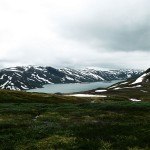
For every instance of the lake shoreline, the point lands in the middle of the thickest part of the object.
(70, 88)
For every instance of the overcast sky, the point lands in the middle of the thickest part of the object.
(75, 33)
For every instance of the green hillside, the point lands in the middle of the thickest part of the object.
(49, 122)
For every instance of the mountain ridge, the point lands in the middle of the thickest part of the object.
(137, 89)
(141, 81)
(30, 77)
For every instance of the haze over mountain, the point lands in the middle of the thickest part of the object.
(75, 33)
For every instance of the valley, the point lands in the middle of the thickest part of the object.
(31, 77)
(89, 120)
(75, 75)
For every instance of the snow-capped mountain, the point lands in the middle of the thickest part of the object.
(133, 89)
(29, 77)
(140, 82)
(144, 79)
(97, 75)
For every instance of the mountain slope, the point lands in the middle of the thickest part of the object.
(29, 77)
(97, 75)
(137, 89)
(37, 121)
(142, 81)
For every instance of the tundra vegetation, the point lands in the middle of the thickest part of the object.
(43, 121)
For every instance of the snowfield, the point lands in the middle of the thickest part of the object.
(100, 91)
(86, 95)
(118, 88)
(140, 79)
(134, 100)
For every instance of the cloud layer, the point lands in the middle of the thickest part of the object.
(87, 33)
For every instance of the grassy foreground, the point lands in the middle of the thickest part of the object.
(49, 122)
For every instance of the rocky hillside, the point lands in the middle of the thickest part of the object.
(142, 81)
(137, 89)
(29, 77)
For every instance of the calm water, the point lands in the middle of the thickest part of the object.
(72, 87)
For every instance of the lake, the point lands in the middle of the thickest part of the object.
(73, 87)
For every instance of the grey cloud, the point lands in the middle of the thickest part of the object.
(81, 33)
(122, 30)
(121, 38)
(3, 62)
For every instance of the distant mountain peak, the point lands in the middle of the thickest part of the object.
(29, 77)
(142, 81)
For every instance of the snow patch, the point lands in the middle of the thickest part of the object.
(18, 74)
(68, 78)
(144, 91)
(99, 91)
(2, 77)
(86, 95)
(118, 88)
(138, 86)
(113, 86)
(123, 83)
(135, 100)
(3, 85)
(43, 79)
(140, 79)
